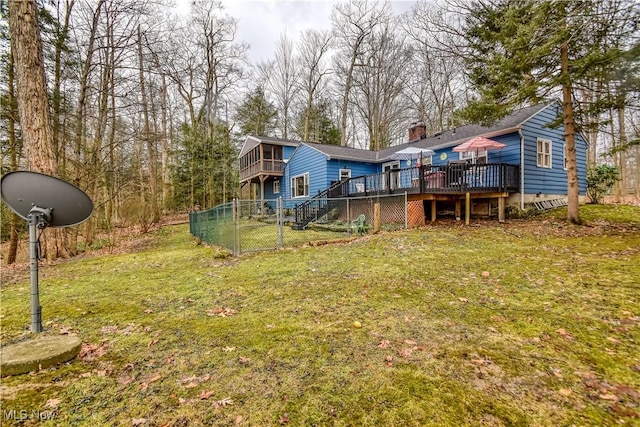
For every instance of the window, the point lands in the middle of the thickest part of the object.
(475, 157)
(427, 161)
(544, 153)
(345, 174)
(276, 187)
(300, 186)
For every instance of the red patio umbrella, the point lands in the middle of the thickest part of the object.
(478, 143)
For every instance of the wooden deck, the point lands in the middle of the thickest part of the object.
(452, 179)
(457, 182)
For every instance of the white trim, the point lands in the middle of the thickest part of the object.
(348, 173)
(305, 185)
(545, 154)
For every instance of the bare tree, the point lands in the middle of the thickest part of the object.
(437, 85)
(282, 81)
(380, 87)
(313, 47)
(353, 24)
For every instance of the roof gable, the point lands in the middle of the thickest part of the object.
(252, 141)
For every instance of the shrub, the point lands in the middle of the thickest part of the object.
(600, 179)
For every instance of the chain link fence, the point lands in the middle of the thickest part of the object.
(244, 226)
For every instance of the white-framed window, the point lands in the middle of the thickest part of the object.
(276, 187)
(544, 153)
(345, 174)
(300, 185)
(478, 157)
(564, 156)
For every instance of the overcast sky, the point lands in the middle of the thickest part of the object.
(262, 21)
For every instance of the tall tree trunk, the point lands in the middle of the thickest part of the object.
(151, 152)
(621, 185)
(573, 190)
(58, 141)
(14, 151)
(33, 108)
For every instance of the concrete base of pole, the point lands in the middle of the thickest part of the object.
(37, 353)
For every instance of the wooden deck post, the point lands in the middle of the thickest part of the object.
(457, 209)
(501, 209)
(377, 217)
(433, 210)
(467, 208)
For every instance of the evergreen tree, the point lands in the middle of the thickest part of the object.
(256, 115)
(521, 52)
(322, 128)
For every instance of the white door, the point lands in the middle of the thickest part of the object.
(390, 178)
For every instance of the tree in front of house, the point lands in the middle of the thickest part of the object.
(523, 52)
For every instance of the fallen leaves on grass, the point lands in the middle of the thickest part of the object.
(205, 394)
(223, 403)
(52, 403)
(384, 344)
(90, 351)
(221, 312)
(151, 379)
(138, 421)
(284, 419)
(193, 380)
(228, 349)
(564, 334)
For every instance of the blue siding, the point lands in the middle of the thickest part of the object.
(509, 154)
(287, 152)
(306, 160)
(550, 180)
(357, 169)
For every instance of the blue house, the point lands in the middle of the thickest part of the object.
(530, 168)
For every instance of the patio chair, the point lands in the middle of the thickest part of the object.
(359, 225)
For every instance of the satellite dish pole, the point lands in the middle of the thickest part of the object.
(37, 219)
(44, 201)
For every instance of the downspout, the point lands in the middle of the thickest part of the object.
(521, 169)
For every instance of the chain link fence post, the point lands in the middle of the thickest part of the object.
(236, 229)
(280, 221)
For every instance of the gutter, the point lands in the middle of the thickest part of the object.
(521, 168)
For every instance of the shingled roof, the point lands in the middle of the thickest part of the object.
(445, 139)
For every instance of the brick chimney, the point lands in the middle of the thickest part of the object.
(417, 131)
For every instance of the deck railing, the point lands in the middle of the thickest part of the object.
(264, 166)
(452, 178)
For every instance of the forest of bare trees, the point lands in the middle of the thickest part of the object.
(146, 110)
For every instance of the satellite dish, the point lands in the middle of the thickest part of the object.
(44, 201)
(67, 204)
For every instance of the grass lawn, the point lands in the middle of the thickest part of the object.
(530, 322)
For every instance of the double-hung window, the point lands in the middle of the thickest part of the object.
(276, 187)
(544, 153)
(300, 185)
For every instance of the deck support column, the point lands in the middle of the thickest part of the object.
(501, 203)
(262, 180)
(467, 208)
(433, 210)
(457, 209)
